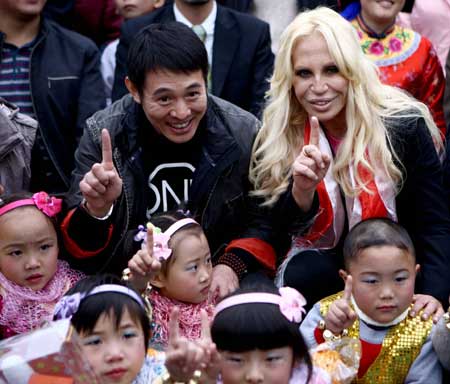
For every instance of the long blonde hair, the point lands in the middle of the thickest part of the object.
(369, 103)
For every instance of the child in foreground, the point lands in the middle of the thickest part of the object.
(379, 287)
(175, 259)
(32, 279)
(255, 338)
(113, 323)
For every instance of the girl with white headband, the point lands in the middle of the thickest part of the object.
(175, 259)
(112, 320)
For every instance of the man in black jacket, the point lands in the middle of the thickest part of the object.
(238, 45)
(53, 75)
(167, 143)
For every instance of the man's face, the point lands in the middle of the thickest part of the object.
(22, 8)
(174, 102)
(195, 2)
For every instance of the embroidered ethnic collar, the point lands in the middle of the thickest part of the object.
(397, 45)
(365, 27)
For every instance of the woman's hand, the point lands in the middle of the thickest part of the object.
(430, 306)
(309, 169)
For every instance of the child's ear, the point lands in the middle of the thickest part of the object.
(343, 274)
(159, 3)
(158, 281)
(417, 268)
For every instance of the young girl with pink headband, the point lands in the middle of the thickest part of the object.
(256, 331)
(176, 261)
(32, 279)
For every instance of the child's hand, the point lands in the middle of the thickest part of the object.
(211, 363)
(183, 357)
(340, 315)
(143, 266)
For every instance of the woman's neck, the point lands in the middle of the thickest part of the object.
(377, 25)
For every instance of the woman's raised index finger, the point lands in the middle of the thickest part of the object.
(315, 126)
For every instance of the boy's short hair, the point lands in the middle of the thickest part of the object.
(168, 46)
(376, 232)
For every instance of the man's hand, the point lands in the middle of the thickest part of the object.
(309, 168)
(340, 315)
(224, 279)
(101, 186)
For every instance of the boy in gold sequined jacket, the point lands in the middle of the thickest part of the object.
(379, 279)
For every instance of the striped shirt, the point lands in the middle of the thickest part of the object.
(15, 76)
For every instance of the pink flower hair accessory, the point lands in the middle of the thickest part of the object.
(292, 304)
(290, 301)
(161, 249)
(48, 205)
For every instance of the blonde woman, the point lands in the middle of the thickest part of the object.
(337, 146)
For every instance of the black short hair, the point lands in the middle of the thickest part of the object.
(92, 307)
(261, 326)
(376, 232)
(168, 46)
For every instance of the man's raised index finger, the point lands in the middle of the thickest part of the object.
(107, 159)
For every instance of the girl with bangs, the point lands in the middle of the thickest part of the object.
(259, 339)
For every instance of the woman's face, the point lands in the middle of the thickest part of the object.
(379, 14)
(318, 85)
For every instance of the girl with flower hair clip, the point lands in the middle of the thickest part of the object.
(32, 279)
(256, 332)
(175, 261)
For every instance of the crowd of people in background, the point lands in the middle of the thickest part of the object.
(268, 177)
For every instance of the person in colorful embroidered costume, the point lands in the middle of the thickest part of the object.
(405, 58)
(338, 146)
(175, 259)
(256, 331)
(32, 279)
(112, 320)
(380, 272)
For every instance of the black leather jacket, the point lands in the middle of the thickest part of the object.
(218, 192)
(66, 88)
